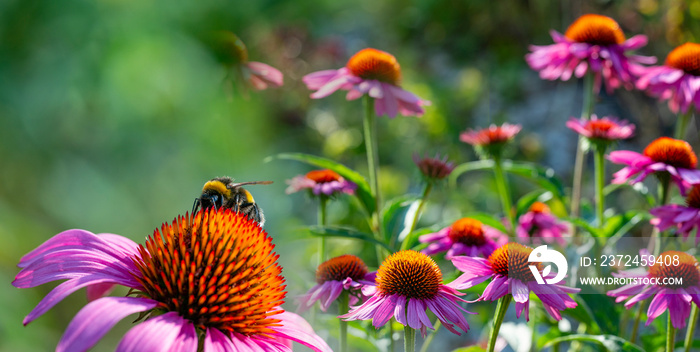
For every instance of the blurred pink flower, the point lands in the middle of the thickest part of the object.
(234, 53)
(509, 268)
(228, 302)
(321, 182)
(607, 128)
(490, 135)
(343, 273)
(675, 297)
(540, 225)
(434, 169)
(684, 217)
(593, 43)
(677, 80)
(407, 284)
(465, 236)
(372, 72)
(674, 156)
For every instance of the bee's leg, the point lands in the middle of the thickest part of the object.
(256, 214)
(236, 203)
(195, 206)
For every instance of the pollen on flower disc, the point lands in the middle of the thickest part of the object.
(687, 270)
(467, 231)
(693, 198)
(599, 128)
(375, 64)
(341, 268)
(410, 274)
(511, 260)
(323, 176)
(595, 30)
(674, 152)
(685, 57)
(217, 269)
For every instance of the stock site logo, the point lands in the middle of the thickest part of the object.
(543, 255)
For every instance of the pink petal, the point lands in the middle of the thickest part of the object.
(97, 318)
(153, 335)
(267, 73)
(216, 341)
(297, 329)
(520, 291)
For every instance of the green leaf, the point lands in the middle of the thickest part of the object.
(542, 176)
(638, 188)
(488, 219)
(611, 343)
(413, 238)
(605, 312)
(618, 225)
(398, 216)
(585, 226)
(363, 192)
(470, 349)
(524, 203)
(346, 232)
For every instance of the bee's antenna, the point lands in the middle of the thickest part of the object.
(251, 183)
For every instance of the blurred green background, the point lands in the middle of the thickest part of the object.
(114, 113)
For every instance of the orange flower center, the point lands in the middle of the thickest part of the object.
(674, 152)
(539, 207)
(693, 198)
(341, 268)
(595, 30)
(467, 231)
(599, 128)
(511, 260)
(685, 57)
(217, 270)
(686, 269)
(323, 176)
(410, 274)
(375, 64)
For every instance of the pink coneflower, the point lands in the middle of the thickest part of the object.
(490, 135)
(211, 280)
(674, 156)
(407, 284)
(607, 128)
(256, 74)
(593, 43)
(369, 71)
(539, 224)
(343, 273)
(465, 236)
(677, 80)
(321, 182)
(684, 217)
(509, 267)
(660, 283)
(489, 142)
(433, 169)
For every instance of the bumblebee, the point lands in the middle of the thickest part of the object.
(222, 192)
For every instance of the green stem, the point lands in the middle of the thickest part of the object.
(682, 123)
(392, 347)
(691, 328)
(637, 319)
(670, 335)
(343, 307)
(599, 165)
(430, 338)
(421, 204)
(504, 191)
(370, 129)
(409, 339)
(323, 201)
(501, 310)
(586, 111)
(664, 194)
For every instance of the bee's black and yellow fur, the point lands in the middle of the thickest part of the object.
(222, 192)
